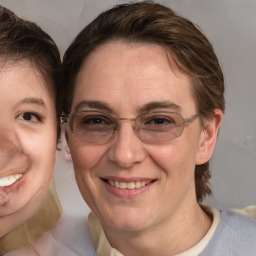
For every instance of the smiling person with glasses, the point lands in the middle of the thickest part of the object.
(143, 98)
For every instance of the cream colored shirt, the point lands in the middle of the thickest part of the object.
(249, 210)
(28, 233)
(103, 247)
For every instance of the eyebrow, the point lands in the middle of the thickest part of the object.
(36, 101)
(93, 104)
(146, 108)
(160, 104)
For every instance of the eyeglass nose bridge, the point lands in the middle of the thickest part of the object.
(126, 119)
(136, 128)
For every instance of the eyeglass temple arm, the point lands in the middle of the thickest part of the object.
(63, 119)
(192, 118)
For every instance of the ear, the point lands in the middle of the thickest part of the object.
(208, 137)
(66, 136)
(67, 155)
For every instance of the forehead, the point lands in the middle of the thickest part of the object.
(135, 72)
(23, 79)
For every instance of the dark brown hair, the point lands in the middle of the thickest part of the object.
(148, 22)
(24, 40)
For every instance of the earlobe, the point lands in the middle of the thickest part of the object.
(66, 136)
(208, 137)
(67, 155)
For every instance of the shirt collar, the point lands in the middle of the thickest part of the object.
(103, 247)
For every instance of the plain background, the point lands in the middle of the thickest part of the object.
(230, 25)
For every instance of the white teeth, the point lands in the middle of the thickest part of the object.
(122, 185)
(131, 185)
(128, 185)
(116, 184)
(9, 180)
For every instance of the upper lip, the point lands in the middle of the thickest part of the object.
(15, 166)
(12, 171)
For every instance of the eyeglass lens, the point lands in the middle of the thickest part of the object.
(97, 127)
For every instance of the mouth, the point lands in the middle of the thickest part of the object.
(128, 185)
(9, 180)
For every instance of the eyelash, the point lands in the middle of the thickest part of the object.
(19, 116)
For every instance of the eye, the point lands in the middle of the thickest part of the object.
(89, 122)
(96, 120)
(158, 122)
(29, 117)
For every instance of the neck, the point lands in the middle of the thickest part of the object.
(12, 221)
(18, 229)
(177, 234)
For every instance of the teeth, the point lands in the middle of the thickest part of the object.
(9, 180)
(128, 185)
(116, 184)
(122, 185)
(131, 185)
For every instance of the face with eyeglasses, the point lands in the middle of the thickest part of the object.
(135, 136)
(27, 140)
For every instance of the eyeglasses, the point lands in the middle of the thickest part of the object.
(97, 127)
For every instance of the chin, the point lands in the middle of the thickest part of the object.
(23, 200)
(10, 208)
(128, 221)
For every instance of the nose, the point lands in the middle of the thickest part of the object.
(126, 148)
(10, 148)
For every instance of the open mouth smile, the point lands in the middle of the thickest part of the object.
(128, 188)
(128, 185)
(9, 180)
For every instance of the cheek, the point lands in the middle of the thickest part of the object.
(41, 149)
(85, 157)
(176, 158)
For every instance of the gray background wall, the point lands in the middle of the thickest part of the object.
(231, 27)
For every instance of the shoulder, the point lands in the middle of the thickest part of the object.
(238, 224)
(249, 210)
(235, 235)
(69, 237)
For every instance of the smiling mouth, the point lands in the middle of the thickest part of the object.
(128, 185)
(9, 180)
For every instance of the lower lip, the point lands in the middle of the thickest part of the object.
(15, 185)
(127, 193)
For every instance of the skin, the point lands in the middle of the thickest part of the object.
(126, 77)
(27, 143)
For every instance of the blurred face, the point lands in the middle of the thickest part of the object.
(131, 185)
(27, 137)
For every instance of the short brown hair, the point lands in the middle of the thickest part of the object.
(24, 40)
(148, 22)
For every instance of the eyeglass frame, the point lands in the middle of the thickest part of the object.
(64, 119)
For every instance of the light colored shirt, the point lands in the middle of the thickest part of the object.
(103, 247)
(249, 210)
(44, 219)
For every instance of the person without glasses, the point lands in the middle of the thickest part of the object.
(143, 97)
(29, 81)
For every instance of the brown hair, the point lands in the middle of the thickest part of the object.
(24, 40)
(154, 23)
